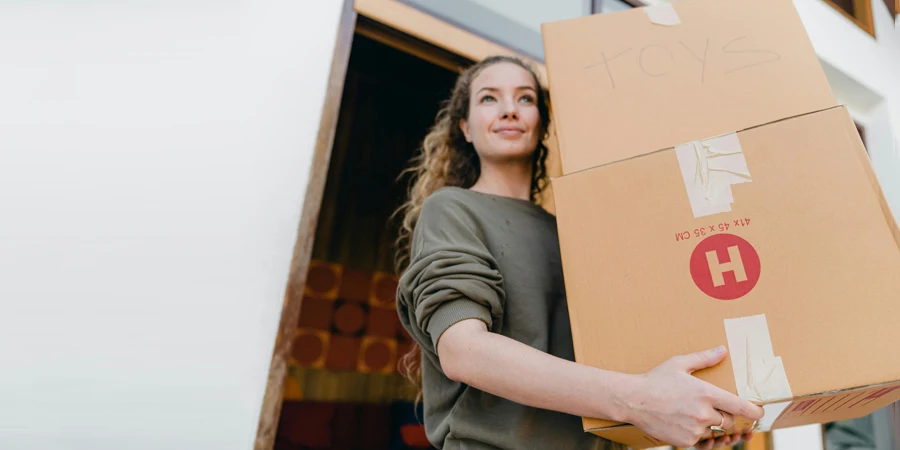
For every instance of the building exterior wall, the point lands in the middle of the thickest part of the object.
(864, 73)
(154, 158)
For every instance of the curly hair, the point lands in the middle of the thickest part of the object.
(447, 159)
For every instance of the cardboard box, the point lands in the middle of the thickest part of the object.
(730, 205)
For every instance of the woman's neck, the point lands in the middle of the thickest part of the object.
(511, 180)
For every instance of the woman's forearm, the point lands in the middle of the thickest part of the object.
(668, 402)
(504, 367)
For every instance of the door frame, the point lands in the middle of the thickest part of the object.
(270, 412)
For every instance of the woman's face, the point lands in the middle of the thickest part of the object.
(504, 123)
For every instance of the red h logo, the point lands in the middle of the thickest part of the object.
(725, 266)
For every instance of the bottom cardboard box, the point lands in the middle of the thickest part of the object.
(795, 266)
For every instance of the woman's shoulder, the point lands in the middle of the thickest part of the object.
(449, 200)
(447, 203)
(458, 201)
(449, 195)
(447, 218)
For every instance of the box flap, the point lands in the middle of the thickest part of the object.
(623, 86)
(843, 405)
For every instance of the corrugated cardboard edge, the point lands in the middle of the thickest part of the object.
(672, 148)
(870, 405)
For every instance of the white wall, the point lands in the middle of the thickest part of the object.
(807, 437)
(153, 163)
(863, 72)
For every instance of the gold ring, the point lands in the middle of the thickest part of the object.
(719, 428)
(755, 425)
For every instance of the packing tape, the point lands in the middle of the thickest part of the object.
(663, 14)
(758, 373)
(772, 412)
(709, 167)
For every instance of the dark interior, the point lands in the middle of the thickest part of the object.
(390, 100)
(343, 391)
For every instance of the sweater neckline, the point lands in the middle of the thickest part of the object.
(512, 200)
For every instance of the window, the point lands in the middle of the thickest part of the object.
(893, 7)
(862, 134)
(608, 6)
(857, 11)
(513, 23)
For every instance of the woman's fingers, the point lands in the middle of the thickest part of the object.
(726, 401)
(727, 420)
(724, 441)
(720, 442)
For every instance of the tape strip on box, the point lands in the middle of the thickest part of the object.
(663, 14)
(758, 373)
(772, 413)
(709, 167)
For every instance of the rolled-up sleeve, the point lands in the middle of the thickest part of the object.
(451, 276)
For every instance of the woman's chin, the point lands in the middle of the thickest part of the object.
(513, 152)
(511, 158)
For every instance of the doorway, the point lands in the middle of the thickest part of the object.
(343, 389)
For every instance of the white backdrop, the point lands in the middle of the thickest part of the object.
(153, 162)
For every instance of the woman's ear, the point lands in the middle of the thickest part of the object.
(464, 127)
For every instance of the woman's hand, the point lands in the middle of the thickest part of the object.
(724, 441)
(676, 407)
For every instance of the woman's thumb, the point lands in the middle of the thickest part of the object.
(704, 359)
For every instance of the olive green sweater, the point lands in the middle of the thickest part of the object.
(495, 259)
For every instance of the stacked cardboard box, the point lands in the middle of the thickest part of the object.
(715, 193)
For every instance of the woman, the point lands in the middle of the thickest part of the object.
(482, 293)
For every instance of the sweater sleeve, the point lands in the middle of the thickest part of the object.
(451, 275)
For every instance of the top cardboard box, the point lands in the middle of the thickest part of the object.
(623, 86)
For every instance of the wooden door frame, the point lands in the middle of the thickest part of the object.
(427, 28)
(270, 413)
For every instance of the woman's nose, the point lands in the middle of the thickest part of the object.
(510, 110)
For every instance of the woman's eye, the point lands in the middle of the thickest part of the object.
(487, 98)
(527, 99)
